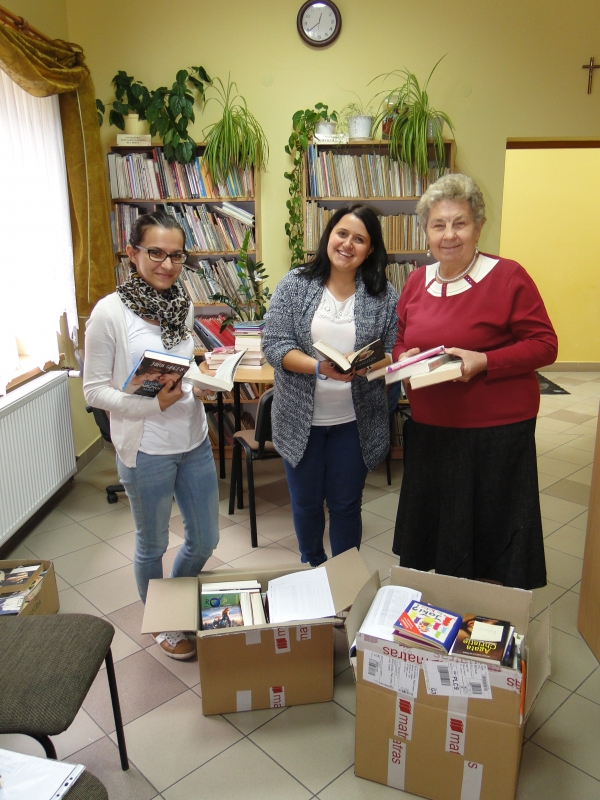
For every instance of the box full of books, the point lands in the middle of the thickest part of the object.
(446, 671)
(27, 587)
(264, 637)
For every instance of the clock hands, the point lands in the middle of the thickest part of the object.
(317, 24)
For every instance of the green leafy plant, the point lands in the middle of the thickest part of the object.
(237, 139)
(304, 123)
(169, 111)
(253, 296)
(414, 120)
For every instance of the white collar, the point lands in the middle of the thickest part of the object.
(483, 266)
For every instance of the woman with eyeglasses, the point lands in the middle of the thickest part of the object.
(162, 443)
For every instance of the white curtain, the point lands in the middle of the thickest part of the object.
(36, 255)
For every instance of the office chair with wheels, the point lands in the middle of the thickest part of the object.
(257, 446)
(47, 666)
(103, 423)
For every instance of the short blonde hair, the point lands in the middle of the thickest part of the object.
(452, 187)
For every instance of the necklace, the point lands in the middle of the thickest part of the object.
(458, 277)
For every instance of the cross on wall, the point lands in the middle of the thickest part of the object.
(591, 67)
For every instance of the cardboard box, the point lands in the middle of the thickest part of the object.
(46, 600)
(445, 748)
(257, 666)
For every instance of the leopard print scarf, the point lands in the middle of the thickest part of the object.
(170, 308)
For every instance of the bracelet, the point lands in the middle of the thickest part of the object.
(318, 374)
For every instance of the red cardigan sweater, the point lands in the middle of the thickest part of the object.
(503, 316)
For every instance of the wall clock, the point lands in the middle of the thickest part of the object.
(319, 23)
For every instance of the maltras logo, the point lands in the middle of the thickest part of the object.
(457, 725)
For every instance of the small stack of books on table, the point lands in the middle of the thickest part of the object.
(249, 337)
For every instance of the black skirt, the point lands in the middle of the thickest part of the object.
(469, 504)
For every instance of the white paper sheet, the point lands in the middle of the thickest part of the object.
(389, 603)
(301, 595)
(27, 777)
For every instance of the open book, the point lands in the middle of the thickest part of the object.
(367, 355)
(221, 381)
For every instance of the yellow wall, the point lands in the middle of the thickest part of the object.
(549, 224)
(513, 69)
(48, 16)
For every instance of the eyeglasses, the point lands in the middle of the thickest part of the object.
(158, 256)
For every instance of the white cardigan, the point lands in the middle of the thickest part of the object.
(107, 366)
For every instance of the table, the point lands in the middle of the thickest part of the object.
(242, 375)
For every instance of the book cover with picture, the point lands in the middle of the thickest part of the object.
(483, 638)
(369, 354)
(18, 578)
(222, 617)
(427, 626)
(153, 370)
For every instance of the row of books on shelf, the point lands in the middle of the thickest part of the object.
(221, 229)
(401, 232)
(399, 614)
(149, 176)
(210, 333)
(19, 586)
(398, 272)
(332, 174)
(248, 391)
(212, 418)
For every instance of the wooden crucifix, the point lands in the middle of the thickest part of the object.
(591, 67)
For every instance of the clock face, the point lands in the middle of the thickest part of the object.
(319, 23)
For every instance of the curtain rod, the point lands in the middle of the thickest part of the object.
(21, 25)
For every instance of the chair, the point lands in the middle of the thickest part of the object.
(257, 446)
(103, 423)
(87, 787)
(47, 665)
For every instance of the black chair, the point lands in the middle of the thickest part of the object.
(103, 423)
(257, 446)
(47, 666)
(87, 787)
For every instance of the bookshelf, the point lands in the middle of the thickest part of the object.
(336, 175)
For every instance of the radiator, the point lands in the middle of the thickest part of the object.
(37, 454)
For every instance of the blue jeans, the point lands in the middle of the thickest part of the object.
(332, 469)
(190, 477)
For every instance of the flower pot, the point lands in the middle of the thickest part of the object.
(325, 128)
(359, 127)
(434, 125)
(132, 122)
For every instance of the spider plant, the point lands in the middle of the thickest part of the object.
(414, 121)
(237, 139)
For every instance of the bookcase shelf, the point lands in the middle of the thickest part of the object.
(180, 200)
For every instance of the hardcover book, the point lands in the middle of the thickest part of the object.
(451, 371)
(483, 639)
(422, 625)
(367, 355)
(152, 372)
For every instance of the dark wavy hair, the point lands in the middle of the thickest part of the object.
(372, 268)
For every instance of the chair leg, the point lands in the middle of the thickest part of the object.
(114, 698)
(251, 503)
(46, 743)
(234, 476)
(240, 480)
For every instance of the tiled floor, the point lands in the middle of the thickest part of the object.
(306, 752)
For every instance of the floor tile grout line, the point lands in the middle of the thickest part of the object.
(279, 765)
(564, 760)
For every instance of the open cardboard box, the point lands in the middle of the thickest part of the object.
(46, 598)
(257, 666)
(444, 748)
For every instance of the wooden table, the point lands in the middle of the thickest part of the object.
(242, 375)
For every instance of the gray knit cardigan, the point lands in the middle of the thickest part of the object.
(294, 302)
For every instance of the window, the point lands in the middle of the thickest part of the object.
(37, 285)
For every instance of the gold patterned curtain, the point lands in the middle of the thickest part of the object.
(44, 68)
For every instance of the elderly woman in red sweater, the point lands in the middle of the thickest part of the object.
(469, 503)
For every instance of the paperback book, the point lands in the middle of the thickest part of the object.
(152, 372)
(484, 639)
(18, 578)
(427, 626)
(221, 381)
(367, 355)
(222, 617)
(451, 371)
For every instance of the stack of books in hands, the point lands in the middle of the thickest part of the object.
(249, 337)
(424, 369)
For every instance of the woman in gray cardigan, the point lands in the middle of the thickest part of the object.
(331, 428)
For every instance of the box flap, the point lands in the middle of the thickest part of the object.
(538, 661)
(361, 606)
(171, 605)
(347, 574)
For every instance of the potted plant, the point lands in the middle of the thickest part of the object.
(253, 297)
(168, 111)
(414, 122)
(304, 123)
(358, 119)
(237, 139)
(326, 126)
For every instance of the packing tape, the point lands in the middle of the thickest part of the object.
(253, 636)
(243, 700)
(396, 764)
(281, 638)
(403, 722)
(303, 633)
(471, 784)
(456, 725)
(277, 694)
